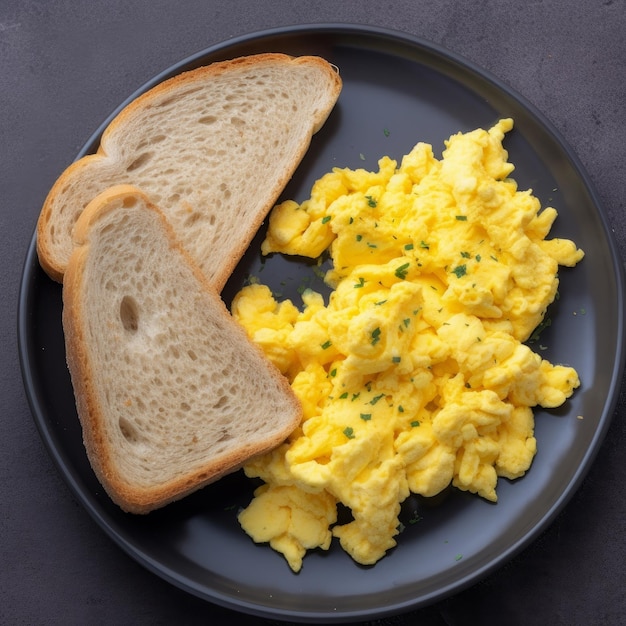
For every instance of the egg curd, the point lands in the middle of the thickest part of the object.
(415, 374)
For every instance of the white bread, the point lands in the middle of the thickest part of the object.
(170, 392)
(213, 148)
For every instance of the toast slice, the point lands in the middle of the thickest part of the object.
(212, 147)
(170, 392)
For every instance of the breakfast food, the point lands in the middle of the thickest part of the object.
(212, 147)
(171, 394)
(414, 375)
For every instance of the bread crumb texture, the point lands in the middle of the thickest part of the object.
(180, 394)
(212, 148)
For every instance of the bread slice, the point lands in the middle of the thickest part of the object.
(170, 392)
(212, 147)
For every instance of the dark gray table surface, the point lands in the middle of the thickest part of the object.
(66, 64)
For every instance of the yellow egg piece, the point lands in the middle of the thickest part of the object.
(414, 375)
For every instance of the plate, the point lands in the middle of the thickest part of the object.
(397, 90)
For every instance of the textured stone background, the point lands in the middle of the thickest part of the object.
(64, 65)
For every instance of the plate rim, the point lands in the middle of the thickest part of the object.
(165, 572)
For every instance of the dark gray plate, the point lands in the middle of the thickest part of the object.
(397, 90)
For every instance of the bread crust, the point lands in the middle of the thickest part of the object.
(53, 257)
(86, 372)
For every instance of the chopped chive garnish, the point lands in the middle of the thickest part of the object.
(375, 399)
(401, 271)
(460, 270)
(375, 336)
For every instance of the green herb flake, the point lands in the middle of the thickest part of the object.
(351, 220)
(414, 424)
(375, 399)
(326, 345)
(371, 201)
(386, 132)
(424, 245)
(406, 321)
(355, 396)
(344, 395)
(371, 245)
(400, 409)
(360, 283)
(409, 246)
(359, 237)
(366, 416)
(326, 219)
(348, 431)
(542, 326)
(319, 272)
(460, 270)
(380, 302)
(361, 156)
(396, 359)
(333, 372)
(458, 557)
(478, 258)
(466, 255)
(401, 271)
(461, 218)
(375, 336)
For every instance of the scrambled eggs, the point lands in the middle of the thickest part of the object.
(414, 375)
